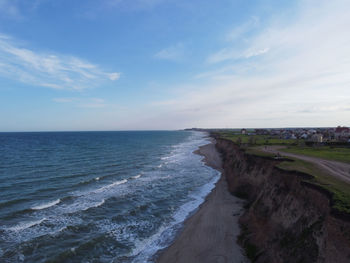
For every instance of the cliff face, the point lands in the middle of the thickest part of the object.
(286, 220)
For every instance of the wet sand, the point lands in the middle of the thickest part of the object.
(210, 234)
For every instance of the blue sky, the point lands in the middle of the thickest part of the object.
(166, 64)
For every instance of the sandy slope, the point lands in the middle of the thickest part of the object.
(210, 234)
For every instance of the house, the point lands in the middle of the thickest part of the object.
(304, 136)
(262, 132)
(311, 131)
(342, 133)
(243, 131)
(317, 137)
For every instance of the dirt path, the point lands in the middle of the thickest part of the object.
(337, 169)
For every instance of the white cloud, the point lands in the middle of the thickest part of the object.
(114, 76)
(93, 104)
(18, 9)
(64, 100)
(235, 54)
(297, 74)
(174, 53)
(82, 102)
(9, 8)
(239, 36)
(241, 30)
(55, 71)
(254, 53)
(135, 4)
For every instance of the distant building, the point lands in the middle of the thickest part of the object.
(304, 136)
(317, 137)
(311, 131)
(243, 131)
(262, 132)
(342, 133)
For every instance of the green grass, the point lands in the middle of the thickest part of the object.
(324, 152)
(256, 139)
(258, 152)
(300, 166)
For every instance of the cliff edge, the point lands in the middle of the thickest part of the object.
(286, 219)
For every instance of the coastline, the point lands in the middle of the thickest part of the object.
(210, 234)
(287, 218)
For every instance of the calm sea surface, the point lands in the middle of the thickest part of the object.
(97, 196)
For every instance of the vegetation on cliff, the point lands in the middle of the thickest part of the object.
(325, 152)
(339, 190)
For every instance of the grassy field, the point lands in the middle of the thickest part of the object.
(256, 139)
(324, 152)
(258, 152)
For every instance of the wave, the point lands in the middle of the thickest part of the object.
(72, 211)
(26, 225)
(145, 248)
(89, 181)
(94, 205)
(136, 176)
(95, 179)
(46, 205)
(106, 187)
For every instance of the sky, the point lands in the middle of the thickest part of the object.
(173, 64)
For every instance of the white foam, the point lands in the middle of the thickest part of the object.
(148, 247)
(136, 176)
(106, 187)
(46, 205)
(58, 222)
(180, 151)
(58, 231)
(94, 205)
(26, 225)
(143, 247)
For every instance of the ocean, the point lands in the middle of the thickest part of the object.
(97, 196)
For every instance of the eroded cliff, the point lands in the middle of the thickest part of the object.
(286, 219)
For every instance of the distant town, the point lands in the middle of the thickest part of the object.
(340, 134)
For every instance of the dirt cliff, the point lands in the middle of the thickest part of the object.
(286, 219)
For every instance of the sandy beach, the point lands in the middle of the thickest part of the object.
(210, 234)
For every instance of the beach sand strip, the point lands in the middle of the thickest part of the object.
(210, 234)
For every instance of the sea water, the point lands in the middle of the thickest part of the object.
(97, 196)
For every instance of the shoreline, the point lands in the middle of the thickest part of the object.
(210, 233)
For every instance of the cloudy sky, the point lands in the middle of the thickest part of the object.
(172, 64)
